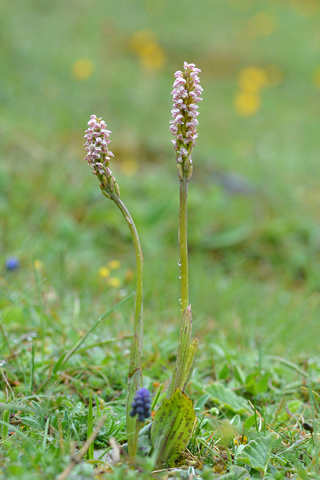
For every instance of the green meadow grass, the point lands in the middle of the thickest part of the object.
(253, 233)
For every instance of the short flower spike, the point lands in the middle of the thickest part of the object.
(186, 95)
(99, 156)
(141, 404)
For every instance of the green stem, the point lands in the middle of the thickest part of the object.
(139, 265)
(183, 242)
(135, 381)
(186, 351)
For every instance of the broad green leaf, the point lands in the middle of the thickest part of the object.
(237, 422)
(189, 364)
(172, 427)
(249, 422)
(202, 401)
(262, 384)
(59, 363)
(224, 372)
(144, 440)
(183, 350)
(5, 425)
(236, 473)
(257, 453)
(227, 398)
(239, 375)
(173, 381)
(294, 406)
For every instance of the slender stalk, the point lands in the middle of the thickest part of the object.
(135, 373)
(138, 323)
(185, 355)
(98, 157)
(183, 243)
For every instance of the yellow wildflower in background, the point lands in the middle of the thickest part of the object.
(129, 166)
(317, 77)
(305, 8)
(82, 69)
(252, 79)
(114, 264)
(104, 272)
(38, 265)
(153, 56)
(139, 39)
(247, 104)
(129, 275)
(241, 440)
(114, 282)
(145, 45)
(261, 25)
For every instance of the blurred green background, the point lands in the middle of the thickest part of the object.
(254, 229)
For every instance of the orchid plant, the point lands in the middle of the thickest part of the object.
(186, 96)
(98, 158)
(173, 422)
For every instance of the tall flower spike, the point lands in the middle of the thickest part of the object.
(99, 156)
(186, 95)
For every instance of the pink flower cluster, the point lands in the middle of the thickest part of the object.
(186, 94)
(97, 141)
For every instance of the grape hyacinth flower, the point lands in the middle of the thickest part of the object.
(99, 156)
(186, 95)
(12, 263)
(141, 405)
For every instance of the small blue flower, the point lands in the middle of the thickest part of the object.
(141, 404)
(12, 263)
